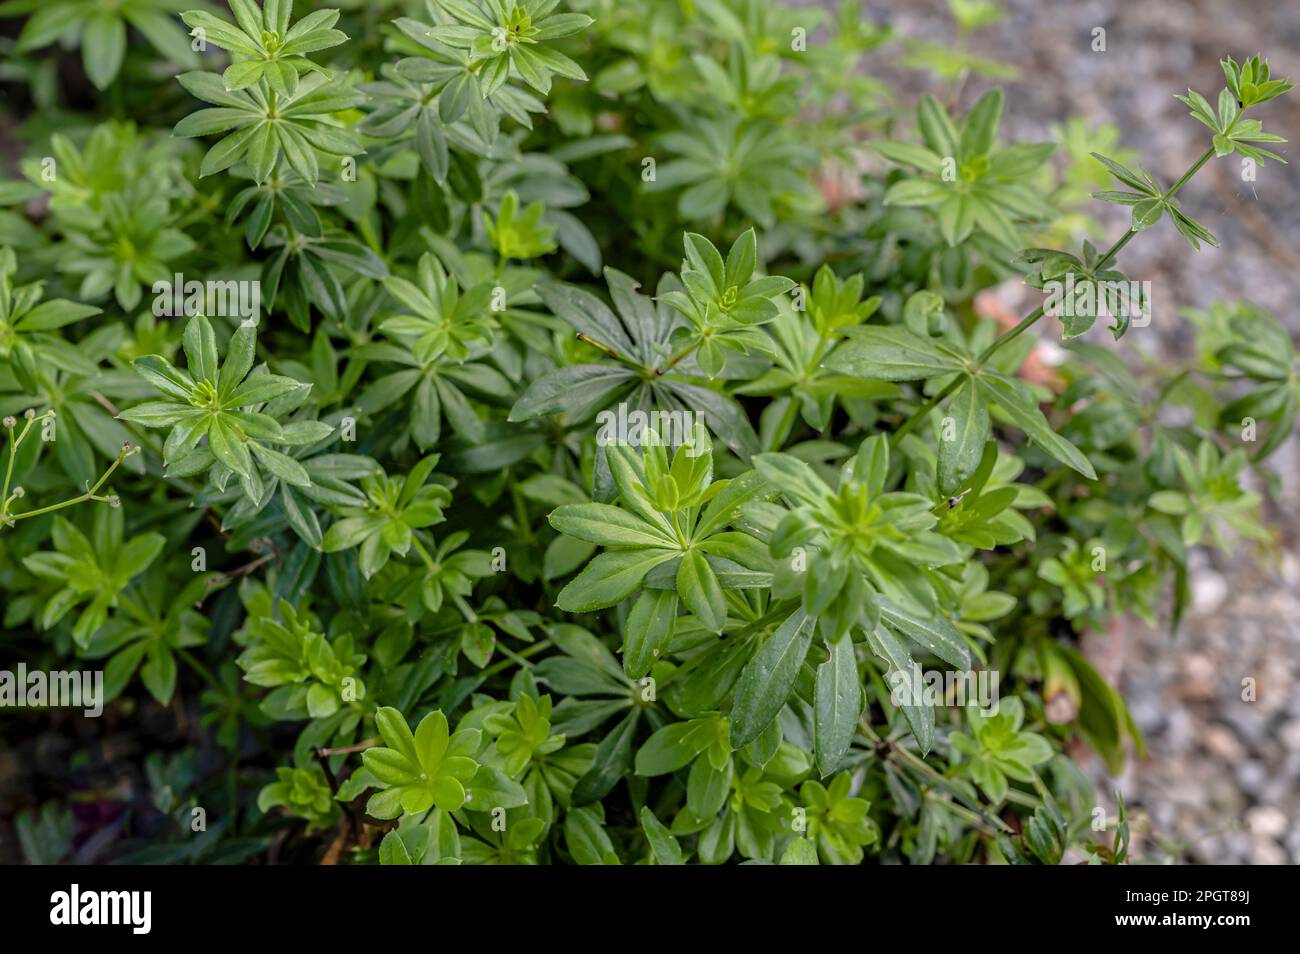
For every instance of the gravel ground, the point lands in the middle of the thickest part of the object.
(1222, 779)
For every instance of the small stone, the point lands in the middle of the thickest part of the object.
(1252, 776)
(1221, 742)
(1293, 843)
(1290, 736)
(1209, 590)
(1198, 675)
(1149, 714)
(1265, 851)
(1266, 820)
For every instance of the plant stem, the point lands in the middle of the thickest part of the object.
(9, 467)
(961, 811)
(511, 654)
(1165, 390)
(14, 441)
(680, 356)
(127, 451)
(1196, 167)
(193, 662)
(524, 653)
(1025, 324)
(1032, 318)
(922, 412)
(423, 553)
(604, 349)
(897, 754)
(345, 749)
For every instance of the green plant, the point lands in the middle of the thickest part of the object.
(464, 557)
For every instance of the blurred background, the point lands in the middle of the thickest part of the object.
(1221, 782)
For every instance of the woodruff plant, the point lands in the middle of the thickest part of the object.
(383, 543)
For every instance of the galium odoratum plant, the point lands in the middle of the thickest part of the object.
(604, 463)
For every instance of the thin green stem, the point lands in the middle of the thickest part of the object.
(524, 653)
(961, 811)
(206, 674)
(1111, 252)
(1166, 389)
(90, 494)
(1024, 325)
(521, 513)
(898, 754)
(509, 653)
(14, 442)
(424, 554)
(608, 351)
(922, 412)
(680, 356)
(1196, 167)
(1032, 318)
(9, 467)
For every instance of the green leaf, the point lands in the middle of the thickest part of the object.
(229, 448)
(103, 44)
(963, 432)
(608, 526)
(281, 465)
(608, 579)
(911, 192)
(491, 788)
(887, 353)
(707, 787)
(666, 750)
(800, 851)
(837, 704)
(612, 760)
(768, 678)
(919, 716)
(1014, 398)
(706, 259)
(55, 313)
(663, 846)
(201, 348)
(982, 124)
(239, 359)
(935, 635)
(937, 128)
(699, 589)
(649, 631)
(910, 154)
(159, 372)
